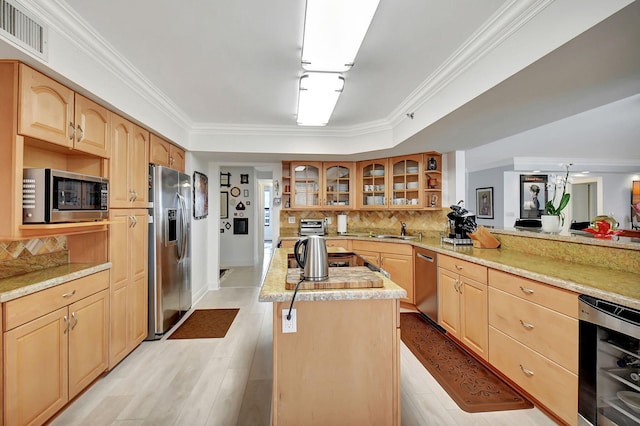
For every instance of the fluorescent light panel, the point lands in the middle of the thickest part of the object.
(333, 33)
(319, 93)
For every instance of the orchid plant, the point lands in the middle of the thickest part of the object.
(560, 182)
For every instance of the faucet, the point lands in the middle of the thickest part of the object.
(403, 230)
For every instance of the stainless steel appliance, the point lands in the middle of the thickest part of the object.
(312, 227)
(169, 253)
(426, 278)
(50, 196)
(313, 259)
(609, 363)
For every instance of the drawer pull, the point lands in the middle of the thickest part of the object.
(458, 267)
(67, 295)
(75, 318)
(66, 321)
(527, 325)
(526, 290)
(526, 371)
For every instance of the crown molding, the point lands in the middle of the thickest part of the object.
(512, 16)
(66, 22)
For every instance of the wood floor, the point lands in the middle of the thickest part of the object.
(228, 381)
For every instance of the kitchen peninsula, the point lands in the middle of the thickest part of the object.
(320, 376)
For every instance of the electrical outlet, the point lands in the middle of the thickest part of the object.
(292, 219)
(289, 326)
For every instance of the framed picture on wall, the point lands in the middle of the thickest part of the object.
(484, 203)
(533, 195)
(200, 195)
(225, 179)
(224, 205)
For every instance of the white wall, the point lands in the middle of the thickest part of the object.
(491, 178)
(237, 249)
(201, 277)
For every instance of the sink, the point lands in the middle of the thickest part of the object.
(397, 237)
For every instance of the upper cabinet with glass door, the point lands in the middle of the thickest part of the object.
(306, 184)
(372, 184)
(339, 182)
(406, 182)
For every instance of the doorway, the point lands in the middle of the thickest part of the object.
(586, 199)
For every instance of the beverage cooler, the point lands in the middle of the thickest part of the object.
(609, 363)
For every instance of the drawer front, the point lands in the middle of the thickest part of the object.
(549, 383)
(468, 269)
(381, 247)
(548, 332)
(344, 243)
(27, 308)
(558, 299)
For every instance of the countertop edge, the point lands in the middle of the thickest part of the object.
(31, 288)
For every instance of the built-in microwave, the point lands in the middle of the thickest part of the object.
(52, 196)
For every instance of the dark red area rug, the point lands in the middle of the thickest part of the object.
(469, 383)
(206, 324)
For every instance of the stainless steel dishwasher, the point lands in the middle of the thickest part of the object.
(426, 282)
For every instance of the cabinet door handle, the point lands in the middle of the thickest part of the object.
(75, 319)
(81, 135)
(526, 371)
(66, 321)
(72, 131)
(460, 286)
(70, 294)
(135, 195)
(527, 325)
(526, 290)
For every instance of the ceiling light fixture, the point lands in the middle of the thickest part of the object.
(333, 33)
(319, 92)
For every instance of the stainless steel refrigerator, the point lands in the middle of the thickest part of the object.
(169, 254)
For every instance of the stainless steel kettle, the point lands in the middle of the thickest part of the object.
(314, 259)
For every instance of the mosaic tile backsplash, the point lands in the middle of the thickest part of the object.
(23, 256)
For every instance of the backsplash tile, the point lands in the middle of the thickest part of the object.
(385, 222)
(23, 256)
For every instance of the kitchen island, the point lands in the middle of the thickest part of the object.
(342, 364)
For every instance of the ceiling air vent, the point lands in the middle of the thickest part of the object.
(19, 28)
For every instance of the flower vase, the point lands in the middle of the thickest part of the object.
(551, 223)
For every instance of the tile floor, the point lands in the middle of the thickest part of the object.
(228, 381)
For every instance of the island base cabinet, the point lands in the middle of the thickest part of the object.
(552, 385)
(341, 366)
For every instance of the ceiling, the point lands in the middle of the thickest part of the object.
(236, 65)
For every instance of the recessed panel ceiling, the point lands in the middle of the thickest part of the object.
(239, 62)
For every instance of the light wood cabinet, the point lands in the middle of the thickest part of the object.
(128, 255)
(372, 184)
(432, 180)
(46, 109)
(406, 191)
(128, 176)
(306, 184)
(164, 153)
(53, 113)
(537, 326)
(37, 129)
(462, 302)
(51, 355)
(320, 377)
(339, 183)
(396, 259)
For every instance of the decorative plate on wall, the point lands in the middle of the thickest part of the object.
(235, 191)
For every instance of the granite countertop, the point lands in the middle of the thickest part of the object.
(616, 286)
(273, 288)
(22, 285)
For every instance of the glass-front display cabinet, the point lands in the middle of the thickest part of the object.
(407, 182)
(372, 184)
(338, 187)
(306, 184)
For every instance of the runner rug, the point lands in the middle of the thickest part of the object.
(205, 324)
(469, 383)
